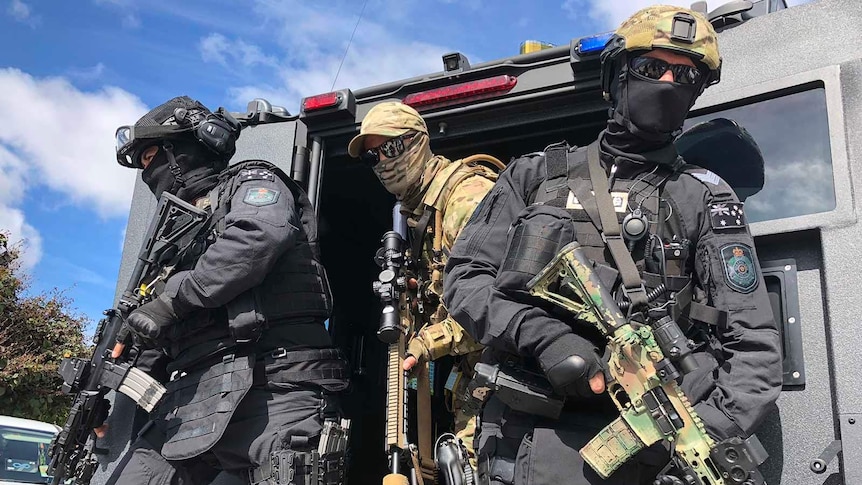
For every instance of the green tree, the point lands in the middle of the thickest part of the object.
(36, 333)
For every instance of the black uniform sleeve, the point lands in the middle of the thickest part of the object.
(154, 362)
(261, 225)
(748, 378)
(489, 315)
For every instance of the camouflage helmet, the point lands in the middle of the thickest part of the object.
(389, 119)
(664, 27)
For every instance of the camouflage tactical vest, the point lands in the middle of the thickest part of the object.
(428, 232)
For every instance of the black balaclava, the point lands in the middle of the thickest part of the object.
(194, 172)
(647, 115)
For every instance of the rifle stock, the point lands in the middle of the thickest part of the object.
(111, 367)
(641, 381)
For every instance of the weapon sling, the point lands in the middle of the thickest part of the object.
(423, 386)
(600, 209)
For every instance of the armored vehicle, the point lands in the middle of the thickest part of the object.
(792, 77)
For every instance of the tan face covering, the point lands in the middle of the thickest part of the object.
(408, 175)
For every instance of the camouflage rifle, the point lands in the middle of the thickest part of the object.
(643, 384)
(173, 230)
(397, 287)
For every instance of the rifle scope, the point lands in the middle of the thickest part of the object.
(389, 285)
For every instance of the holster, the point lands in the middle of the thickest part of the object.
(324, 466)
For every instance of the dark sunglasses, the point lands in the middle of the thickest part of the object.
(390, 148)
(652, 68)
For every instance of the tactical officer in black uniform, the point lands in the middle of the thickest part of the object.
(241, 318)
(686, 232)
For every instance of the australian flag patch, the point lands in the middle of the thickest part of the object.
(727, 215)
(739, 269)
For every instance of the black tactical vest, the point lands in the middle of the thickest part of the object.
(296, 290)
(643, 193)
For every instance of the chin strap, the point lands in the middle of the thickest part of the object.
(176, 171)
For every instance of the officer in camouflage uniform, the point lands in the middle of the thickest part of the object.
(439, 196)
(687, 236)
(241, 317)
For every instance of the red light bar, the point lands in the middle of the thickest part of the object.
(321, 101)
(473, 90)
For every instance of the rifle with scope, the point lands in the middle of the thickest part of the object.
(397, 287)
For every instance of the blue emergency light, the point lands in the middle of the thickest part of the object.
(593, 43)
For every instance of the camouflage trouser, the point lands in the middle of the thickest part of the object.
(448, 338)
(465, 429)
(465, 424)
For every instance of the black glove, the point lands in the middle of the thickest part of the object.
(570, 362)
(148, 321)
(667, 480)
(104, 410)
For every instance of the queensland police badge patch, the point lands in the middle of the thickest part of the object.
(739, 269)
(260, 196)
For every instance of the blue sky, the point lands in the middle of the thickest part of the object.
(72, 71)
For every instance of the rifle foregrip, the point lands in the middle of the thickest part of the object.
(611, 447)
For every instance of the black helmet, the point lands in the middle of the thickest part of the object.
(180, 118)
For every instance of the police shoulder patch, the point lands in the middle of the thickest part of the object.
(727, 215)
(739, 269)
(260, 196)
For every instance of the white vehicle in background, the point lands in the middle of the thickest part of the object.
(24, 447)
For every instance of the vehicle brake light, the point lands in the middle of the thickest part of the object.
(593, 43)
(326, 100)
(472, 90)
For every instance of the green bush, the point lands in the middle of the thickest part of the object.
(36, 333)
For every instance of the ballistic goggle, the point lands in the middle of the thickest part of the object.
(132, 140)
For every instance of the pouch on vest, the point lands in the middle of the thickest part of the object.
(198, 406)
(539, 233)
(245, 320)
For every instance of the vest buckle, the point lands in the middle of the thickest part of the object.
(278, 353)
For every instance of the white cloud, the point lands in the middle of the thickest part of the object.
(314, 39)
(54, 136)
(213, 48)
(21, 12)
(217, 48)
(87, 74)
(66, 137)
(78, 274)
(127, 10)
(12, 222)
(810, 178)
(12, 183)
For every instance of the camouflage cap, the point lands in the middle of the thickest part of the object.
(652, 27)
(389, 119)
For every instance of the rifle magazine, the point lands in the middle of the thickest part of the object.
(143, 389)
(611, 447)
